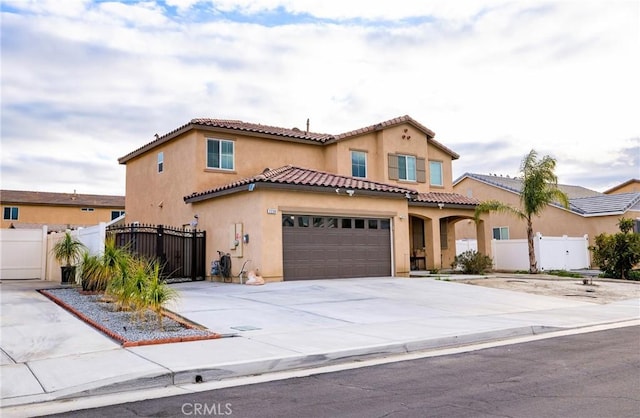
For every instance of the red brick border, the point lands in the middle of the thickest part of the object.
(123, 341)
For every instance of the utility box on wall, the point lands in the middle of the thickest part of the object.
(235, 240)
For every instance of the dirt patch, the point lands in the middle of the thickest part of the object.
(595, 291)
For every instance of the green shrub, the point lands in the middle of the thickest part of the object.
(472, 262)
(616, 254)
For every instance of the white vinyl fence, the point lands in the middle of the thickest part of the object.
(26, 253)
(23, 253)
(552, 253)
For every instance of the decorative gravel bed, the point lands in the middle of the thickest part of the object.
(126, 327)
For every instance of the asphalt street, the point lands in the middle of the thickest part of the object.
(593, 374)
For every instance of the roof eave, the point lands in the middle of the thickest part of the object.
(296, 187)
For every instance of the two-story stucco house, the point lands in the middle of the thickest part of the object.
(375, 201)
(590, 212)
(59, 211)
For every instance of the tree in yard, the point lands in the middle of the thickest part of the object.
(539, 189)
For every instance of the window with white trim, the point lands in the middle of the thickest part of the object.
(407, 167)
(435, 173)
(220, 154)
(10, 213)
(501, 232)
(160, 162)
(358, 164)
(116, 214)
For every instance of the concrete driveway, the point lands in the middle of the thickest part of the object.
(48, 354)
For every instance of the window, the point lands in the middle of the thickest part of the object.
(116, 214)
(501, 233)
(358, 164)
(10, 213)
(303, 221)
(373, 224)
(287, 220)
(407, 167)
(346, 223)
(359, 223)
(87, 209)
(435, 173)
(220, 154)
(160, 162)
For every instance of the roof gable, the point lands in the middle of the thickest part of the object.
(394, 122)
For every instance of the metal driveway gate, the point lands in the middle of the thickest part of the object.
(180, 251)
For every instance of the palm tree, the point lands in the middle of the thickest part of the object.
(539, 189)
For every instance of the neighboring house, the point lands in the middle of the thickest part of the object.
(59, 211)
(589, 212)
(375, 201)
(629, 186)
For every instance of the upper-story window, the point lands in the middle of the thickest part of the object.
(358, 164)
(435, 173)
(220, 154)
(116, 214)
(10, 213)
(160, 162)
(407, 167)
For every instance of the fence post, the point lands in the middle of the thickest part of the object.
(160, 243)
(537, 243)
(194, 252)
(43, 254)
(494, 252)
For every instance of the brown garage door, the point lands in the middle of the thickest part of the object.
(323, 247)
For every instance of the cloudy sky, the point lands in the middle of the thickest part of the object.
(86, 82)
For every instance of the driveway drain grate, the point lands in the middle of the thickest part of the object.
(245, 328)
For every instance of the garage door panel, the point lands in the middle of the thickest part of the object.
(320, 252)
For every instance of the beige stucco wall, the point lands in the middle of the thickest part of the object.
(157, 198)
(631, 187)
(552, 221)
(72, 215)
(265, 230)
(393, 140)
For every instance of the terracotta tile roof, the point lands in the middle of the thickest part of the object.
(285, 133)
(262, 129)
(447, 198)
(60, 199)
(302, 178)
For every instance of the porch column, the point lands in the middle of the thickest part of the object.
(433, 253)
(484, 236)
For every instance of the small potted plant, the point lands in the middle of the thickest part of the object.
(68, 250)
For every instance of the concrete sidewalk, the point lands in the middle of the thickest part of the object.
(48, 354)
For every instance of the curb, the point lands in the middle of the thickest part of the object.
(270, 365)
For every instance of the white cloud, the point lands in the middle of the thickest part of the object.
(558, 76)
